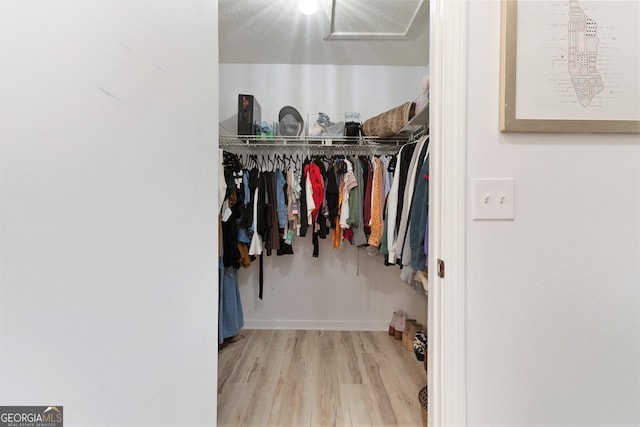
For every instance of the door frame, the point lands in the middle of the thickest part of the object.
(447, 189)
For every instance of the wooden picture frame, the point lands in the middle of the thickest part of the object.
(555, 51)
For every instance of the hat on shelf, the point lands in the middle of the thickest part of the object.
(291, 123)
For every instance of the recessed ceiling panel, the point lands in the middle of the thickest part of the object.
(372, 18)
(276, 32)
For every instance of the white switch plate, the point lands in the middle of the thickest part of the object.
(494, 198)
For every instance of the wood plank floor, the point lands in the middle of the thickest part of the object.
(319, 379)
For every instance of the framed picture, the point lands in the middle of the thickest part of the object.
(570, 66)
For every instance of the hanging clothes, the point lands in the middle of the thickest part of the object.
(231, 254)
(255, 248)
(337, 231)
(367, 196)
(324, 224)
(293, 219)
(304, 218)
(392, 206)
(315, 191)
(281, 204)
(230, 314)
(420, 211)
(374, 201)
(332, 194)
(408, 196)
(377, 192)
(222, 183)
(350, 183)
(402, 167)
(273, 240)
(356, 204)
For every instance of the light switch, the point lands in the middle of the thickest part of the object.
(494, 198)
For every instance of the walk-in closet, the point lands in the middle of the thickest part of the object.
(323, 213)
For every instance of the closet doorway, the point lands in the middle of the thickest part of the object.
(294, 71)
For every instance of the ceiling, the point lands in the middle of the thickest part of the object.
(342, 32)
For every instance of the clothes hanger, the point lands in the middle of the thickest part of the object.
(263, 163)
(286, 160)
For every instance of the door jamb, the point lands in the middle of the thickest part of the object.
(447, 125)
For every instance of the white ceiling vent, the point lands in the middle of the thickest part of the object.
(372, 19)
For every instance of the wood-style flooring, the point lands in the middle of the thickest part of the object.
(320, 379)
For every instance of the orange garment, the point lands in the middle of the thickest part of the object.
(376, 207)
(245, 259)
(337, 231)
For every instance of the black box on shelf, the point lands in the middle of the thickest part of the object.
(248, 114)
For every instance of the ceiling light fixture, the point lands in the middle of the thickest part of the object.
(308, 7)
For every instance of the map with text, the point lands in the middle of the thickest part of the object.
(582, 55)
(578, 60)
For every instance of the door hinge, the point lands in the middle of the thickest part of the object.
(440, 268)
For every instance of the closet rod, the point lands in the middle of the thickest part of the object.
(310, 140)
(314, 149)
(368, 148)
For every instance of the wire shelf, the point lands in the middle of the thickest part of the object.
(304, 141)
(327, 144)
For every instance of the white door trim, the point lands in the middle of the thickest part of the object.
(446, 334)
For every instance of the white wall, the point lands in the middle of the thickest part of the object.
(108, 122)
(553, 326)
(341, 289)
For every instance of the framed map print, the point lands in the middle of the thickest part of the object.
(570, 66)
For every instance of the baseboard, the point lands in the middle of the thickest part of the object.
(316, 325)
